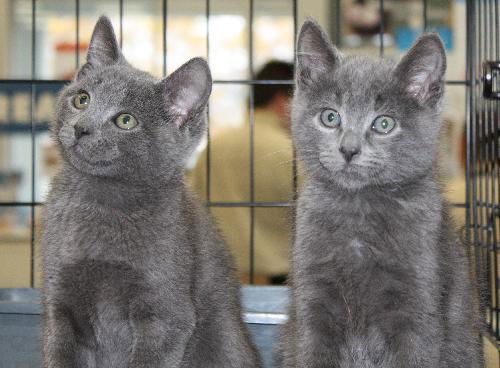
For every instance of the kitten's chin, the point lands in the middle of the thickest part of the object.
(348, 177)
(77, 158)
(350, 181)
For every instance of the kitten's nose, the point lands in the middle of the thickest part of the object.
(350, 145)
(349, 152)
(80, 131)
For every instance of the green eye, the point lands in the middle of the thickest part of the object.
(126, 121)
(383, 124)
(81, 101)
(330, 118)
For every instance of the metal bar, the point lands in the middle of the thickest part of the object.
(217, 81)
(251, 81)
(32, 115)
(496, 127)
(486, 205)
(493, 146)
(36, 81)
(249, 204)
(295, 181)
(252, 153)
(471, 190)
(295, 12)
(457, 82)
(486, 160)
(33, 40)
(120, 4)
(479, 132)
(485, 227)
(229, 81)
(338, 23)
(207, 14)
(382, 27)
(77, 31)
(209, 204)
(164, 36)
(20, 204)
(424, 14)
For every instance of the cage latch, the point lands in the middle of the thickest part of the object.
(491, 77)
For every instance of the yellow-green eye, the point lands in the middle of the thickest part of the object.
(330, 118)
(383, 124)
(81, 100)
(126, 121)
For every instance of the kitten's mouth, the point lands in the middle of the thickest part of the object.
(344, 168)
(80, 153)
(350, 167)
(351, 170)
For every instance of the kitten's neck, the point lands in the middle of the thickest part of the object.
(126, 195)
(425, 186)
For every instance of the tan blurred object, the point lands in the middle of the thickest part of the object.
(51, 159)
(455, 193)
(14, 258)
(230, 182)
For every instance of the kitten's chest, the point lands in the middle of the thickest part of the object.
(362, 237)
(81, 231)
(99, 297)
(379, 258)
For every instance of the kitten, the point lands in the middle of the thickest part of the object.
(379, 278)
(135, 275)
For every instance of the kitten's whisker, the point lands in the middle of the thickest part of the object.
(318, 56)
(270, 154)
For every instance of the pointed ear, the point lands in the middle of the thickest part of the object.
(421, 71)
(187, 89)
(103, 49)
(315, 53)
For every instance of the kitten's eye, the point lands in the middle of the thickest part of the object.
(126, 121)
(330, 118)
(81, 101)
(383, 124)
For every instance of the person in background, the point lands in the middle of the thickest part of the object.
(273, 179)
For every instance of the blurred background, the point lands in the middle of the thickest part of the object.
(244, 170)
(44, 41)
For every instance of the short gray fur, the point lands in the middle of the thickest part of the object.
(379, 278)
(135, 274)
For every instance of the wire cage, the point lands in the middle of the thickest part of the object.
(480, 100)
(482, 216)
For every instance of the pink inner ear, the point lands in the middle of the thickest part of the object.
(179, 113)
(422, 77)
(181, 104)
(419, 84)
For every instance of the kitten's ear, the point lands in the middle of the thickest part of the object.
(315, 53)
(187, 89)
(103, 49)
(421, 71)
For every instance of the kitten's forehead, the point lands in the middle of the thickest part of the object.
(123, 79)
(362, 76)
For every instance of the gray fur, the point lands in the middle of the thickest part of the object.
(135, 275)
(379, 279)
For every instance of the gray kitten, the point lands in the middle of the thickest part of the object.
(379, 278)
(135, 275)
